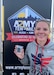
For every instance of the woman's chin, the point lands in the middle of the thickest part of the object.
(41, 39)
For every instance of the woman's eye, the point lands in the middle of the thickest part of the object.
(45, 29)
(38, 28)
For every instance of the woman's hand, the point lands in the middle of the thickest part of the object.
(19, 54)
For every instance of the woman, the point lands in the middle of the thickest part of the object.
(40, 52)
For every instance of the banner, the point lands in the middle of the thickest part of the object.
(19, 24)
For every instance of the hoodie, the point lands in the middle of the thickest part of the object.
(41, 59)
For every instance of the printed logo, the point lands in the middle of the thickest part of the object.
(42, 62)
(22, 24)
(23, 21)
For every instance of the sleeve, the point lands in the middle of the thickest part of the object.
(25, 60)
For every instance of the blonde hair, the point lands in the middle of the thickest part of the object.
(43, 20)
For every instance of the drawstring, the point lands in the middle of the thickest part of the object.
(35, 57)
(40, 59)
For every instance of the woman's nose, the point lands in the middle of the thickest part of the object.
(41, 31)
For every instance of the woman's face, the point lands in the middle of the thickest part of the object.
(42, 31)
